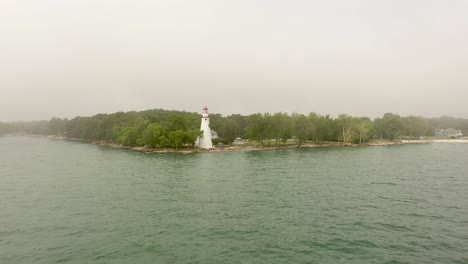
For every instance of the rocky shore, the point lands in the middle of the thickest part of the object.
(245, 148)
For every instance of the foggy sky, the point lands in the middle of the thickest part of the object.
(68, 58)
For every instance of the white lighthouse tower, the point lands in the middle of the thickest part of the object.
(204, 141)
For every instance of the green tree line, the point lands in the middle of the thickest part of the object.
(33, 127)
(158, 128)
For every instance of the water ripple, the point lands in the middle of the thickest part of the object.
(80, 203)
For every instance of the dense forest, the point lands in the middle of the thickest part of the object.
(159, 128)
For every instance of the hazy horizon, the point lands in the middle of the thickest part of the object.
(226, 114)
(363, 58)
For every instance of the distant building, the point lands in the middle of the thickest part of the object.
(214, 134)
(239, 141)
(448, 133)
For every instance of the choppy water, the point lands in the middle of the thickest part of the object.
(65, 202)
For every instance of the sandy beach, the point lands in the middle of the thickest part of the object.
(436, 141)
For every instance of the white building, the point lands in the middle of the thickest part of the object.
(239, 141)
(204, 141)
(214, 134)
(448, 133)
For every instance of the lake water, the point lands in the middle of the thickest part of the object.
(68, 202)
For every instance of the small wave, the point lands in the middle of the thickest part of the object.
(353, 247)
(351, 243)
(364, 243)
(424, 216)
(152, 248)
(384, 183)
(74, 233)
(11, 232)
(393, 261)
(361, 224)
(101, 256)
(394, 227)
(65, 259)
(402, 248)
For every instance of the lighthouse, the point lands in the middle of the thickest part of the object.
(204, 141)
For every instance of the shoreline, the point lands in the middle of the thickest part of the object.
(244, 148)
(249, 148)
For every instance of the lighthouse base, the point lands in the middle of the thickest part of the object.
(204, 143)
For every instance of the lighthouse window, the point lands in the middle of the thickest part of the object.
(206, 119)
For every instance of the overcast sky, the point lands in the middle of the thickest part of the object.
(68, 58)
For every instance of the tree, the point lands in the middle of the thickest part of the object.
(413, 126)
(5, 128)
(176, 121)
(57, 126)
(176, 138)
(389, 127)
(153, 135)
(133, 134)
(255, 128)
(281, 127)
(191, 136)
(303, 127)
(365, 129)
(229, 128)
(324, 127)
(346, 125)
